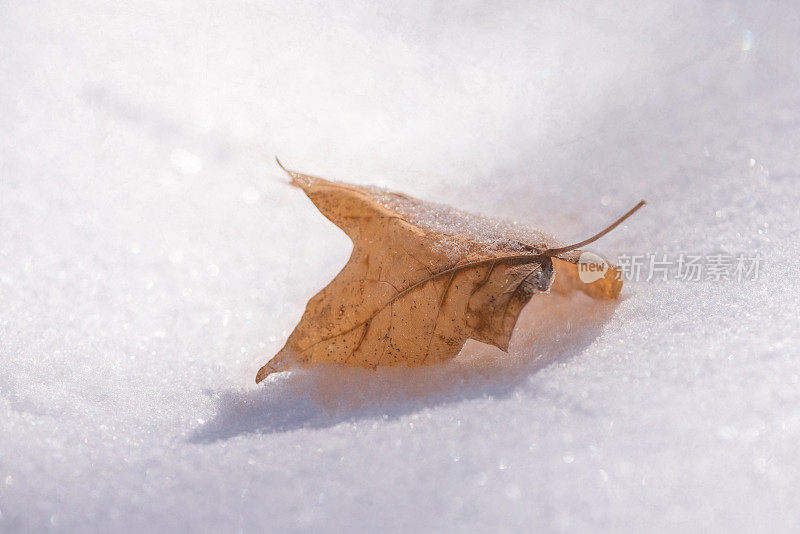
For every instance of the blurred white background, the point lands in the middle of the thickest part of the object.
(152, 257)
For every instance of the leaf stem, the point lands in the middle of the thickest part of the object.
(561, 250)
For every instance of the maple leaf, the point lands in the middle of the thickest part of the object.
(423, 278)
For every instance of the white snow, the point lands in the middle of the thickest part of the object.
(152, 257)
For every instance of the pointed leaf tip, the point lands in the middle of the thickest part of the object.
(264, 372)
(287, 171)
(292, 175)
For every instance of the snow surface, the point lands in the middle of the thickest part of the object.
(152, 257)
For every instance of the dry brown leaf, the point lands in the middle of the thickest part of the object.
(422, 279)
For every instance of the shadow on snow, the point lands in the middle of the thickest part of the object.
(550, 329)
